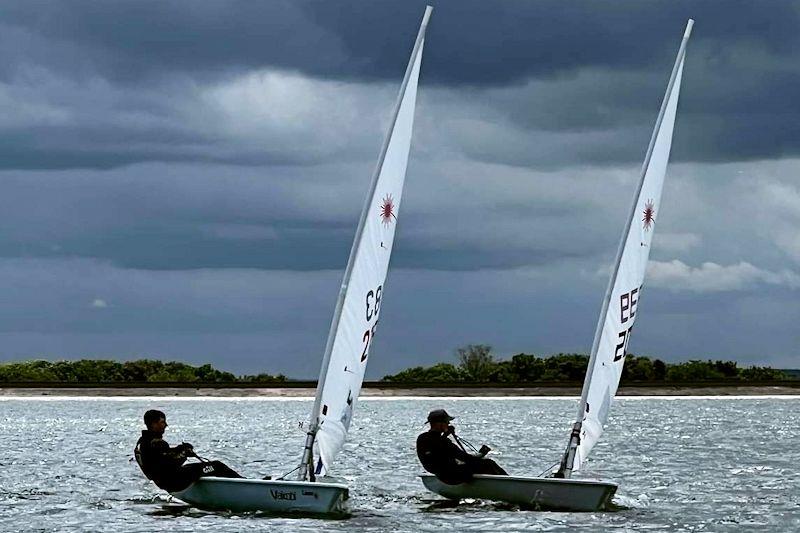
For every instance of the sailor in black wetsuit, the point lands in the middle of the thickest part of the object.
(165, 465)
(451, 464)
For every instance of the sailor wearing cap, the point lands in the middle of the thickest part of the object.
(447, 461)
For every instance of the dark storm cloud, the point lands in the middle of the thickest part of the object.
(132, 41)
(181, 217)
(475, 42)
(602, 66)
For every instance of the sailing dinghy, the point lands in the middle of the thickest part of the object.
(352, 331)
(613, 332)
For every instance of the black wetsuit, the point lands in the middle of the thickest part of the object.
(441, 457)
(165, 465)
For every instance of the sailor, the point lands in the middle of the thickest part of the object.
(164, 464)
(450, 463)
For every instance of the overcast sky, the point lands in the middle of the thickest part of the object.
(182, 180)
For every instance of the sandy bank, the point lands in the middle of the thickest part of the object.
(289, 392)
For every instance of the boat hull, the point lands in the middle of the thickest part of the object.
(547, 494)
(271, 496)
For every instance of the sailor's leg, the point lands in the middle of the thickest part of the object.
(488, 466)
(220, 469)
(183, 477)
(189, 473)
(455, 475)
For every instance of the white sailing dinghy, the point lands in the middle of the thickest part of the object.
(353, 328)
(608, 349)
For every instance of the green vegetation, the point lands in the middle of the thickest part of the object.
(113, 372)
(476, 364)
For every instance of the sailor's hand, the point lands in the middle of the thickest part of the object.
(451, 430)
(186, 449)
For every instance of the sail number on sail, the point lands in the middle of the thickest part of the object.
(627, 311)
(373, 307)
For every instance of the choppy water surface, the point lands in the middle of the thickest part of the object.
(681, 464)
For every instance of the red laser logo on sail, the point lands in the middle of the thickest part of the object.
(387, 210)
(649, 215)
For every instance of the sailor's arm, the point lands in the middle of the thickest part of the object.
(178, 453)
(457, 452)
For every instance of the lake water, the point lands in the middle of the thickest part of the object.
(682, 464)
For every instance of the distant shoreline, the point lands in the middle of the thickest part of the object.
(375, 390)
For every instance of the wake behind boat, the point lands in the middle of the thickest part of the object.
(609, 347)
(352, 331)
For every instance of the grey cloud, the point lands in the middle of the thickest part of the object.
(533, 84)
(251, 321)
(710, 277)
(752, 327)
(255, 119)
(351, 40)
(130, 42)
(52, 296)
(741, 211)
(455, 216)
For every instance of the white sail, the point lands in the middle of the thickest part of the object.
(358, 310)
(624, 293)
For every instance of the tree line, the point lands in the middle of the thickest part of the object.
(477, 364)
(114, 372)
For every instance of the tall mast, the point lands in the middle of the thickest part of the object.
(569, 455)
(306, 465)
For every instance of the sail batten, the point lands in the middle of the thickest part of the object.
(620, 304)
(357, 311)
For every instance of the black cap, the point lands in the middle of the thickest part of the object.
(439, 415)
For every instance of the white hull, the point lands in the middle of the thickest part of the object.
(545, 494)
(271, 496)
